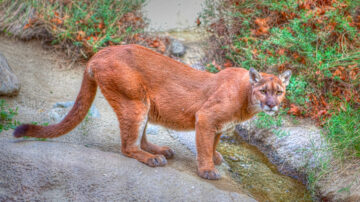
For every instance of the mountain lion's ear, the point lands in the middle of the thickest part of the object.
(285, 77)
(254, 76)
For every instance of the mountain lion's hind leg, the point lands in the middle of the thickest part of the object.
(155, 149)
(132, 116)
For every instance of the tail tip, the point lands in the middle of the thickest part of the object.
(21, 130)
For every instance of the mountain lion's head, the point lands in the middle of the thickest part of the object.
(268, 90)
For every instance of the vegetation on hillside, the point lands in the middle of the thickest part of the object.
(318, 40)
(79, 27)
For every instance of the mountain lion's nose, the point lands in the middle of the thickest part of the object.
(270, 104)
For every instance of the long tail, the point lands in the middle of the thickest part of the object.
(73, 118)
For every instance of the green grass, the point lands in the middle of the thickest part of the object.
(264, 120)
(296, 90)
(36, 138)
(273, 123)
(344, 132)
(211, 68)
(7, 117)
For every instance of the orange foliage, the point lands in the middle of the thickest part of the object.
(294, 110)
(56, 21)
(228, 63)
(262, 26)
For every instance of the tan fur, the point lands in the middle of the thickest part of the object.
(144, 86)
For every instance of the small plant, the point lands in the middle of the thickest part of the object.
(280, 133)
(212, 68)
(344, 131)
(266, 121)
(272, 123)
(7, 117)
(37, 123)
(36, 138)
(296, 90)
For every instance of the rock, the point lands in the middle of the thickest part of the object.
(9, 83)
(57, 115)
(177, 48)
(301, 151)
(186, 138)
(152, 129)
(63, 104)
(60, 109)
(295, 150)
(56, 171)
(198, 66)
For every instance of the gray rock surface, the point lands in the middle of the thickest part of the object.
(60, 109)
(186, 138)
(294, 149)
(9, 83)
(177, 48)
(43, 171)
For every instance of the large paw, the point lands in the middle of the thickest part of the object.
(168, 153)
(156, 161)
(209, 174)
(217, 158)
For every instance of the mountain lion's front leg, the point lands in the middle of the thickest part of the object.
(218, 159)
(219, 108)
(205, 139)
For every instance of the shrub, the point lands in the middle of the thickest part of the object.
(6, 117)
(318, 40)
(81, 27)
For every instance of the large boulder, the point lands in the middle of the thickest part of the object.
(295, 150)
(9, 83)
(33, 170)
(302, 151)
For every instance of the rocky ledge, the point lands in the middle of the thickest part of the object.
(301, 151)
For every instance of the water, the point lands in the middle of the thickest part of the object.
(167, 15)
(251, 168)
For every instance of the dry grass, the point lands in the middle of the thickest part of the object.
(341, 182)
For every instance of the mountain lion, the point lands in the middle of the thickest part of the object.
(143, 86)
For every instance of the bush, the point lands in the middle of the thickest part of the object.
(81, 27)
(318, 40)
(6, 117)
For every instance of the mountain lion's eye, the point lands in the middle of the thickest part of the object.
(263, 91)
(279, 92)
